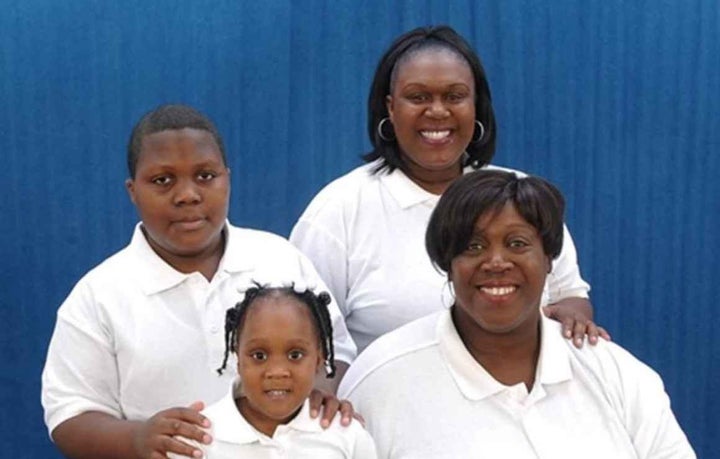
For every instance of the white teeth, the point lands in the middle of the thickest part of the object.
(435, 135)
(276, 392)
(499, 291)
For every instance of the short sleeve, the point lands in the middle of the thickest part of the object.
(564, 280)
(80, 371)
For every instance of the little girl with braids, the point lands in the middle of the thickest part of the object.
(282, 337)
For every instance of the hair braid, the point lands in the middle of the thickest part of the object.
(317, 303)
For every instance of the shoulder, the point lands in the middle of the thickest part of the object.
(356, 439)
(341, 191)
(612, 367)
(392, 351)
(116, 271)
(250, 235)
(493, 167)
(248, 241)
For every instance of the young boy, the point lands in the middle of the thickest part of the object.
(282, 337)
(142, 332)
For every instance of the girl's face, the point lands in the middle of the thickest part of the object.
(181, 190)
(432, 109)
(500, 276)
(278, 357)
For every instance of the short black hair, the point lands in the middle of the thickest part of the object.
(317, 303)
(438, 37)
(452, 222)
(168, 117)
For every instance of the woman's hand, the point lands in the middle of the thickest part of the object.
(330, 406)
(576, 314)
(157, 436)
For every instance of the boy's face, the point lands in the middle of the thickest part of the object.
(278, 357)
(181, 190)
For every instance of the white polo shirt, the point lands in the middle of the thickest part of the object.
(424, 396)
(135, 336)
(365, 234)
(301, 438)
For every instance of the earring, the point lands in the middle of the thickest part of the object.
(447, 294)
(380, 130)
(481, 128)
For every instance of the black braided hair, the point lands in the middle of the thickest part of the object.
(317, 303)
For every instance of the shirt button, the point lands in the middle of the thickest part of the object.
(214, 329)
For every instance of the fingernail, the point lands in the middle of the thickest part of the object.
(325, 423)
(313, 413)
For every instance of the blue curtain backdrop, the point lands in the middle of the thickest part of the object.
(616, 101)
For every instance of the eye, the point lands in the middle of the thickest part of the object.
(417, 97)
(296, 354)
(518, 243)
(206, 176)
(259, 356)
(474, 247)
(162, 180)
(456, 97)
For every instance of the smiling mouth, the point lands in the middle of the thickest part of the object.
(277, 393)
(499, 291)
(435, 135)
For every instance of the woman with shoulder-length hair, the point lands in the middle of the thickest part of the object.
(491, 376)
(430, 120)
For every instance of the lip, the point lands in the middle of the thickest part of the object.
(277, 393)
(190, 223)
(436, 141)
(497, 292)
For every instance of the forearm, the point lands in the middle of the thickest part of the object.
(575, 305)
(95, 435)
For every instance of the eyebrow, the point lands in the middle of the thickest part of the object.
(292, 342)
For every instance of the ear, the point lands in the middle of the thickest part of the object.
(389, 106)
(130, 187)
(320, 364)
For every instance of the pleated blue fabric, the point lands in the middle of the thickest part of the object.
(617, 102)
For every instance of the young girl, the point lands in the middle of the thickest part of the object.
(282, 337)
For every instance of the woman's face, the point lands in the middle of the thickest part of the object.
(499, 278)
(432, 109)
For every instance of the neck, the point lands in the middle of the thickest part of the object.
(205, 262)
(510, 357)
(433, 181)
(262, 424)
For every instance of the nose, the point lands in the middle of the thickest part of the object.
(277, 370)
(187, 192)
(496, 261)
(437, 109)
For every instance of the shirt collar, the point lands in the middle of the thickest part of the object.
(554, 361)
(476, 383)
(156, 275)
(153, 273)
(230, 426)
(406, 192)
